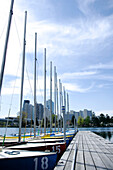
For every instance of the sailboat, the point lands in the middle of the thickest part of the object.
(17, 159)
(68, 136)
(58, 147)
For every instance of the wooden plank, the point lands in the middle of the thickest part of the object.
(89, 164)
(70, 164)
(79, 161)
(97, 160)
(106, 161)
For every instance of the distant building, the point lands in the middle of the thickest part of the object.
(76, 114)
(12, 120)
(81, 113)
(39, 111)
(28, 109)
(48, 105)
(87, 113)
(68, 118)
(47, 113)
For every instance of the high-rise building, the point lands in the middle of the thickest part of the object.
(48, 105)
(76, 114)
(39, 111)
(28, 109)
(87, 113)
(81, 113)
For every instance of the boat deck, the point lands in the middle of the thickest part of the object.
(88, 151)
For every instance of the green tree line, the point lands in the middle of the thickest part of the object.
(96, 121)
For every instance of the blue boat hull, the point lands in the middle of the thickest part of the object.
(29, 163)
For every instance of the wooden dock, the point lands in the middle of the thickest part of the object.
(87, 151)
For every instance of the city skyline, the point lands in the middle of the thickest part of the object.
(78, 37)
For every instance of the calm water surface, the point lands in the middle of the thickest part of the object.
(106, 132)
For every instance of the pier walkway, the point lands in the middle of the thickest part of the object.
(87, 151)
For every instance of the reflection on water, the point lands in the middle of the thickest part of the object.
(106, 135)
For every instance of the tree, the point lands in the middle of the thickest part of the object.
(47, 122)
(87, 121)
(95, 121)
(73, 119)
(53, 119)
(107, 119)
(102, 119)
(24, 119)
(80, 121)
(111, 119)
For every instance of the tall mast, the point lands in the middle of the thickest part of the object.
(44, 91)
(35, 86)
(6, 44)
(55, 95)
(57, 110)
(22, 77)
(64, 115)
(60, 100)
(65, 105)
(56, 100)
(61, 103)
(51, 96)
(68, 109)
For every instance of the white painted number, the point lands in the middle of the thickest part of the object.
(36, 163)
(44, 163)
(57, 148)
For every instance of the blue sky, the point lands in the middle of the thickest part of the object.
(78, 36)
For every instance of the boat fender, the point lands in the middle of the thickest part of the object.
(12, 153)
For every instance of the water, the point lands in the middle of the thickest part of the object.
(12, 131)
(106, 132)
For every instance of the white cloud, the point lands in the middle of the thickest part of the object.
(101, 66)
(84, 6)
(78, 75)
(76, 88)
(104, 85)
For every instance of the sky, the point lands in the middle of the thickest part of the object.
(78, 37)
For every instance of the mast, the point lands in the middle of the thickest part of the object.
(64, 111)
(6, 44)
(65, 106)
(50, 96)
(57, 110)
(61, 102)
(22, 77)
(44, 91)
(35, 86)
(55, 95)
(68, 109)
